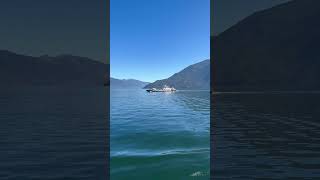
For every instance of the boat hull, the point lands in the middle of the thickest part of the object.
(150, 90)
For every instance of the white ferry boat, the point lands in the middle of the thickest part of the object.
(164, 89)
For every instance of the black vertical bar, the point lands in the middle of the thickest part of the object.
(108, 90)
(211, 92)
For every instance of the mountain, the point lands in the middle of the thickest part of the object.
(21, 70)
(126, 84)
(196, 76)
(273, 49)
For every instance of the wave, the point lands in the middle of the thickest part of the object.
(152, 153)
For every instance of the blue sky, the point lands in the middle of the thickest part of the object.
(153, 39)
(54, 27)
(228, 12)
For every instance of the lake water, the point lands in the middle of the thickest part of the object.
(160, 135)
(264, 135)
(61, 133)
(53, 133)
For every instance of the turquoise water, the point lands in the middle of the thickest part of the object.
(49, 133)
(263, 135)
(160, 135)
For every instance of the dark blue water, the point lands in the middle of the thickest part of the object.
(160, 135)
(53, 133)
(266, 135)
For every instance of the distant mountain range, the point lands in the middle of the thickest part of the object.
(126, 84)
(22, 70)
(69, 70)
(194, 77)
(274, 49)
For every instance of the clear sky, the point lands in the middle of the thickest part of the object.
(53, 27)
(228, 12)
(153, 39)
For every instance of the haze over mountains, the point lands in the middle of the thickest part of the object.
(69, 70)
(193, 77)
(126, 83)
(274, 49)
(22, 70)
